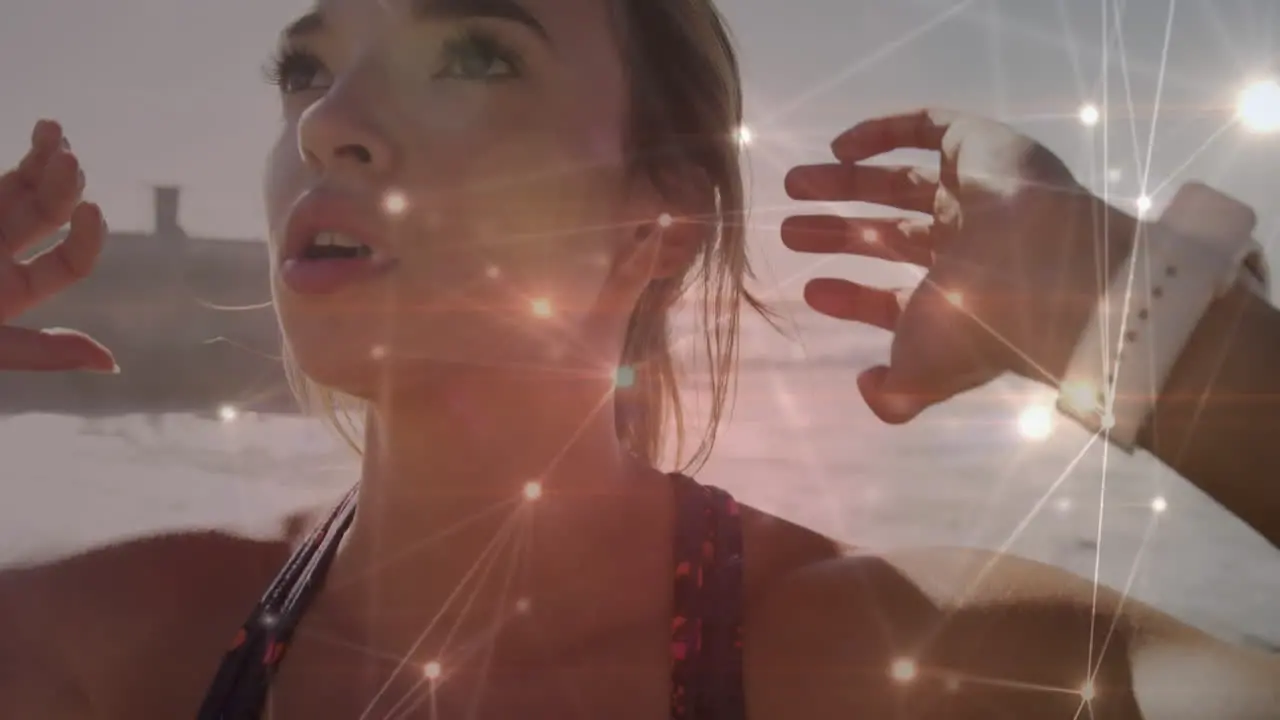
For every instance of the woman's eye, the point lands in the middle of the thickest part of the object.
(476, 57)
(294, 71)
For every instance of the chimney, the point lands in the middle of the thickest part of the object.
(167, 211)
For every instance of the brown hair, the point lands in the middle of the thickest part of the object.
(686, 111)
(685, 115)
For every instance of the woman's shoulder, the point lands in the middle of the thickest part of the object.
(775, 547)
(144, 617)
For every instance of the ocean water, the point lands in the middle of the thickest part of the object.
(799, 444)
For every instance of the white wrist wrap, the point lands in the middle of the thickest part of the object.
(1179, 266)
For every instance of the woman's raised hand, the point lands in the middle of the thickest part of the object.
(38, 197)
(1011, 247)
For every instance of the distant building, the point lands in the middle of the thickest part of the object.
(188, 319)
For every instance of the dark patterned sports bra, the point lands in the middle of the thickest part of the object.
(706, 630)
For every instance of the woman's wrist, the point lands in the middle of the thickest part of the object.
(1213, 420)
(1104, 238)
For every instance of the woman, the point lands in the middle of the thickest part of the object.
(481, 214)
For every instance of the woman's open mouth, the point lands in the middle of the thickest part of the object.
(331, 244)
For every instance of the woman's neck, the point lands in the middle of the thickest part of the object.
(491, 472)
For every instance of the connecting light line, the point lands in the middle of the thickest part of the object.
(413, 648)
(482, 649)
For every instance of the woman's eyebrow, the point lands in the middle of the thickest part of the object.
(509, 10)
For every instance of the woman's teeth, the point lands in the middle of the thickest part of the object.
(335, 245)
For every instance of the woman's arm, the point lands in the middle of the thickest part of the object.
(1217, 423)
(959, 633)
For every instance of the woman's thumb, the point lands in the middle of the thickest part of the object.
(888, 399)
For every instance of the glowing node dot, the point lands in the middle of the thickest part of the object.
(1087, 691)
(395, 202)
(1159, 505)
(1115, 175)
(1081, 396)
(1036, 422)
(951, 683)
(664, 220)
(1259, 106)
(1107, 421)
(379, 352)
(1144, 204)
(903, 670)
(492, 272)
(624, 377)
(955, 297)
(228, 413)
(524, 605)
(432, 670)
(532, 490)
(744, 135)
(1089, 115)
(870, 236)
(1062, 505)
(541, 307)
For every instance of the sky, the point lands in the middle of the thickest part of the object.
(171, 92)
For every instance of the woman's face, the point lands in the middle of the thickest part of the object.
(475, 149)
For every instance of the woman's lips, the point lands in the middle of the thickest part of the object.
(324, 276)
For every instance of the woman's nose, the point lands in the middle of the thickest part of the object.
(340, 133)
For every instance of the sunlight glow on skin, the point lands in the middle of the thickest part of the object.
(1036, 422)
(532, 490)
(624, 377)
(228, 413)
(1258, 107)
(1089, 115)
(903, 670)
(541, 307)
(395, 202)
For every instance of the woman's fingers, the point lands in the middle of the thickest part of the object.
(920, 129)
(23, 284)
(52, 350)
(845, 300)
(894, 239)
(41, 210)
(903, 187)
(46, 139)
